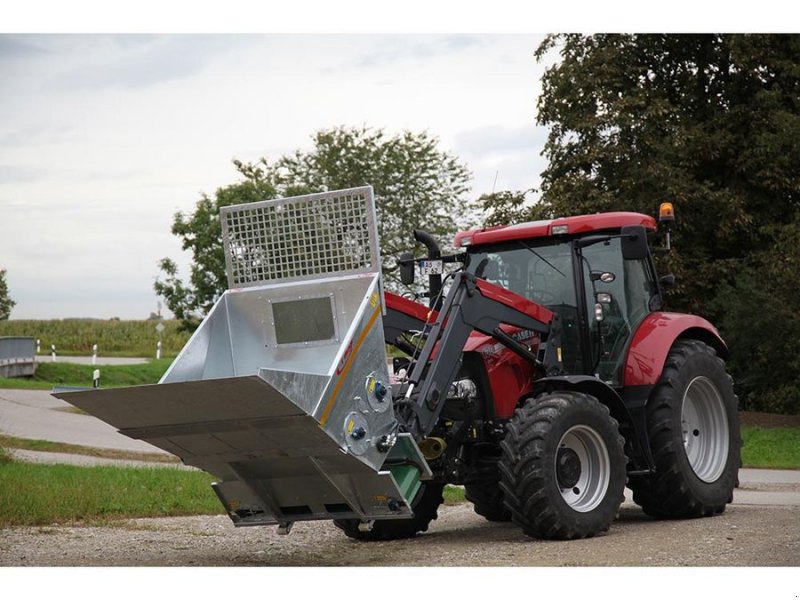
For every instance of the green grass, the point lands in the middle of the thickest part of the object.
(49, 375)
(113, 338)
(453, 494)
(34, 494)
(771, 448)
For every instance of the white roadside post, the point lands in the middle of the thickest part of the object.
(96, 378)
(159, 329)
(53, 351)
(94, 354)
(38, 346)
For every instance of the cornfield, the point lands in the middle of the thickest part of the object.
(113, 337)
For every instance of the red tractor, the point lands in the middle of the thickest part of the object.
(544, 380)
(550, 377)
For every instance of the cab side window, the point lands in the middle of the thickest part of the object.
(626, 305)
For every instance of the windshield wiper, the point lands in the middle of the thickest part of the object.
(524, 245)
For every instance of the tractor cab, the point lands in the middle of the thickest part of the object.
(595, 272)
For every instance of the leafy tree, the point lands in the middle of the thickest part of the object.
(710, 122)
(201, 234)
(416, 185)
(760, 322)
(6, 303)
(506, 208)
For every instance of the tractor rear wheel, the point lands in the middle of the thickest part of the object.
(693, 426)
(425, 507)
(487, 500)
(563, 466)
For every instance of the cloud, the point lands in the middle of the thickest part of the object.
(38, 135)
(136, 61)
(498, 139)
(416, 48)
(18, 46)
(17, 174)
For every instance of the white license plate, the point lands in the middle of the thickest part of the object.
(430, 267)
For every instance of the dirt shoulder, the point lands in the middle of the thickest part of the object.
(768, 420)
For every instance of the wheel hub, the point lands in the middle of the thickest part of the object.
(583, 468)
(568, 467)
(705, 429)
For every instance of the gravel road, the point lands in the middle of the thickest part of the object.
(744, 535)
(761, 528)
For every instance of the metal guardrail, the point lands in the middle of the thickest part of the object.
(17, 356)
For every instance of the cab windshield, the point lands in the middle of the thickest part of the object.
(542, 273)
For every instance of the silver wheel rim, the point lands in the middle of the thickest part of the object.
(595, 475)
(704, 425)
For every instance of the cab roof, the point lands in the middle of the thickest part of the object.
(579, 225)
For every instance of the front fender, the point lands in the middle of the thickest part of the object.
(655, 336)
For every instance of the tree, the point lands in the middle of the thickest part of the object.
(201, 234)
(6, 303)
(416, 185)
(759, 318)
(710, 122)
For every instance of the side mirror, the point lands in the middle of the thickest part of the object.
(604, 276)
(667, 281)
(634, 242)
(406, 263)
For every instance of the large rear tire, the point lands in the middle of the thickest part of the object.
(563, 466)
(693, 426)
(425, 506)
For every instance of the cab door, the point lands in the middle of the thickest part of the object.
(618, 297)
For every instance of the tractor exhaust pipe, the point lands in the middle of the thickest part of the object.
(434, 281)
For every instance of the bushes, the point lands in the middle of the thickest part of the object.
(760, 321)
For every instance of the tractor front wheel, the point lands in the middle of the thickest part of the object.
(425, 507)
(487, 500)
(693, 425)
(563, 466)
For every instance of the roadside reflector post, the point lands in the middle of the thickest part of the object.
(53, 351)
(96, 378)
(94, 354)
(38, 346)
(159, 331)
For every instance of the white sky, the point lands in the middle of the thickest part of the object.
(104, 137)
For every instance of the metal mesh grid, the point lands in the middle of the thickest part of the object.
(303, 237)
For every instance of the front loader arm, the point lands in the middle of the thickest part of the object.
(403, 316)
(471, 304)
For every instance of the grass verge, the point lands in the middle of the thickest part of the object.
(49, 375)
(8, 441)
(777, 448)
(34, 494)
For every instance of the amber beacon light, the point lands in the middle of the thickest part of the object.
(666, 213)
(666, 217)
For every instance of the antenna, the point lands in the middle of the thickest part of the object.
(495, 180)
